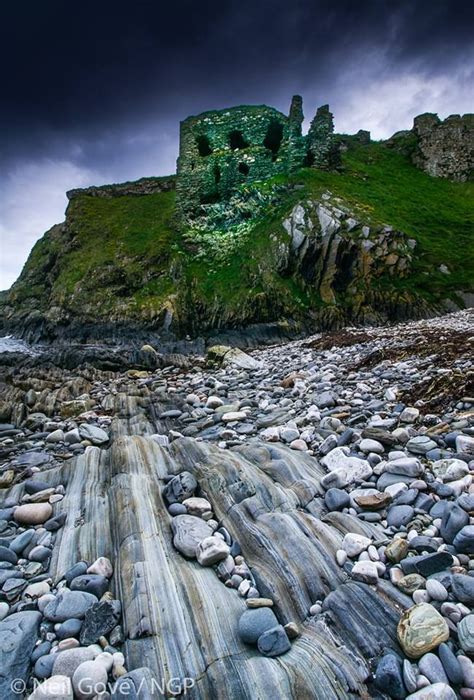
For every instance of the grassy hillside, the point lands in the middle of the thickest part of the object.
(437, 213)
(123, 257)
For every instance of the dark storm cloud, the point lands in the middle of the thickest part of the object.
(94, 91)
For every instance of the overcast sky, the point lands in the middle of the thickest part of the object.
(93, 91)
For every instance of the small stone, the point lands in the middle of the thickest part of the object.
(211, 550)
(54, 688)
(68, 604)
(93, 433)
(341, 557)
(421, 444)
(366, 445)
(409, 414)
(99, 620)
(464, 540)
(399, 515)
(462, 588)
(274, 642)
(197, 506)
(33, 513)
(254, 623)
(102, 567)
(292, 630)
(189, 531)
(87, 678)
(396, 550)
(354, 544)
(389, 677)
(180, 487)
(259, 602)
(365, 571)
(421, 629)
(451, 665)
(409, 676)
(431, 667)
(436, 590)
(68, 661)
(374, 501)
(336, 499)
(427, 564)
(453, 520)
(466, 634)
(437, 691)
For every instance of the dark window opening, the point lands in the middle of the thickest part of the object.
(210, 198)
(309, 159)
(244, 168)
(217, 174)
(193, 165)
(204, 145)
(273, 137)
(236, 140)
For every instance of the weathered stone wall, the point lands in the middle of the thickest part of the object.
(322, 151)
(445, 148)
(146, 185)
(220, 150)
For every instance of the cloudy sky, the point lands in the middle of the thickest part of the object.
(93, 91)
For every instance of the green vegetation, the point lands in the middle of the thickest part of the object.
(124, 258)
(386, 188)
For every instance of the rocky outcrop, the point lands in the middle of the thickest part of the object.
(338, 254)
(442, 148)
(137, 188)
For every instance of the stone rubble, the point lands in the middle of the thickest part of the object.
(400, 472)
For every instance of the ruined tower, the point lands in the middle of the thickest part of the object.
(321, 150)
(219, 151)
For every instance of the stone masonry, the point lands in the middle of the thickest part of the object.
(222, 150)
(445, 148)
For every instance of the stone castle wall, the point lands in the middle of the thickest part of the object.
(445, 148)
(221, 150)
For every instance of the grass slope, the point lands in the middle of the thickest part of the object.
(122, 257)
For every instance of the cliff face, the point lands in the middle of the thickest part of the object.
(377, 241)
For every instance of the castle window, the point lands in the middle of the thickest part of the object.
(217, 174)
(236, 140)
(244, 168)
(204, 145)
(273, 137)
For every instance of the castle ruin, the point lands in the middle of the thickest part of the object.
(223, 149)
